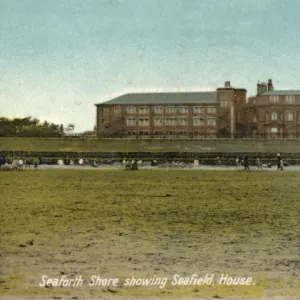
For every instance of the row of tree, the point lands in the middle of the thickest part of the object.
(32, 127)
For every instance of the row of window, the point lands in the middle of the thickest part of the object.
(170, 122)
(167, 109)
(184, 133)
(275, 116)
(277, 130)
(290, 99)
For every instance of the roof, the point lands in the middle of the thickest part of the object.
(166, 98)
(281, 92)
(231, 89)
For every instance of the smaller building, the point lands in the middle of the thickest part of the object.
(273, 113)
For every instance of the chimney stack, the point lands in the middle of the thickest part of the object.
(227, 84)
(270, 85)
(261, 88)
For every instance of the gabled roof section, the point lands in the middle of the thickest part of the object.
(166, 98)
(281, 92)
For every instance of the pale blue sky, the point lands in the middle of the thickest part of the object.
(60, 57)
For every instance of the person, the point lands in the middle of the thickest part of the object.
(240, 160)
(281, 164)
(27, 163)
(127, 165)
(2, 161)
(246, 162)
(153, 163)
(278, 160)
(20, 164)
(134, 165)
(259, 164)
(14, 164)
(35, 164)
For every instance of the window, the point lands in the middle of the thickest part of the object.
(274, 116)
(182, 121)
(274, 130)
(143, 122)
(211, 110)
(224, 103)
(158, 122)
(131, 109)
(117, 110)
(171, 133)
(224, 100)
(211, 130)
(211, 122)
(158, 109)
(171, 122)
(143, 110)
(131, 133)
(183, 134)
(254, 119)
(198, 109)
(274, 99)
(197, 135)
(289, 116)
(289, 99)
(198, 122)
(183, 109)
(224, 97)
(171, 109)
(130, 122)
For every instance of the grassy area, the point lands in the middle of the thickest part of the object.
(114, 223)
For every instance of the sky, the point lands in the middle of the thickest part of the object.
(60, 57)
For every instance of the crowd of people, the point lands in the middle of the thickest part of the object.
(18, 163)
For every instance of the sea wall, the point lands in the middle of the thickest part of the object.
(147, 145)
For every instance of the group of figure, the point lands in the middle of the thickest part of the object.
(259, 164)
(17, 164)
(130, 165)
(20, 164)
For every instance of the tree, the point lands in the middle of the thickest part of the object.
(28, 127)
(70, 128)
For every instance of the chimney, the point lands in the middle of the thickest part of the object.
(270, 85)
(261, 88)
(227, 84)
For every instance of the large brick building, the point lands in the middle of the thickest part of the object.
(221, 113)
(274, 113)
(171, 115)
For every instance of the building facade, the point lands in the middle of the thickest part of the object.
(171, 115)
(224, 113)
(274, 113)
